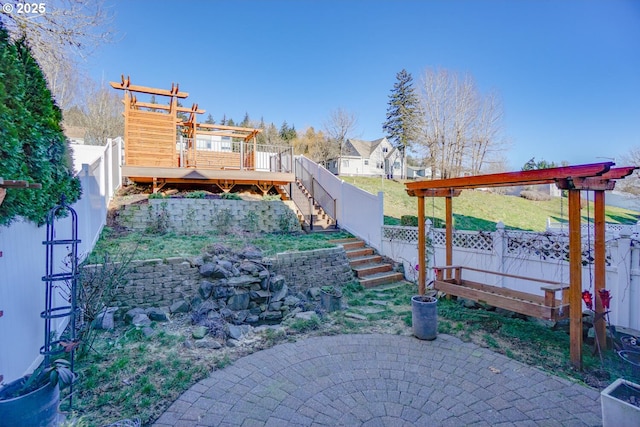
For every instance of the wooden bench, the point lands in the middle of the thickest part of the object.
(544, 307)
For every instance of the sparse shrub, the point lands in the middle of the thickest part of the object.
(158, 221)
(536, 196)
(196, 195)
(251, 221)
(223, 220)
(409, 220)
(271, 197)
(156, 196)
(230, 196)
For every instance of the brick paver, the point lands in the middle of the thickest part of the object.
(382, 380)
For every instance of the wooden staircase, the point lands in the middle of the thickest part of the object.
(368, 266)
(320, 219)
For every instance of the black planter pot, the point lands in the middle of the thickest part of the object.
(36, 409)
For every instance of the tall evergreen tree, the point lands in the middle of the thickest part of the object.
(287, 133)
(245, 122)
(401, 125)
(210, 120)
(33, 146)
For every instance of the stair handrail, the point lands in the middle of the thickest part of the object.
(317, 191)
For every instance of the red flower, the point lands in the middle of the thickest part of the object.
(605, 298)
(588, 299)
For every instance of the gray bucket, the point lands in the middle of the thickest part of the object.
(36, 409)
(424, 317)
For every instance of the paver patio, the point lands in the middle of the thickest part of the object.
(382, 380)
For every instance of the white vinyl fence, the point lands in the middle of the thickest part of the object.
(535, 255)
(359, 212)
(22, 264)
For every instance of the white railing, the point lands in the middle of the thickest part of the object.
(248, 156)
(614, 230)
(22, 264)
(357, 211)
(537, 255)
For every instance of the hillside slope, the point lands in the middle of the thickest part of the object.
(481, 210)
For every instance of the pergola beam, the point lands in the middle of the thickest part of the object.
(125, 84)
(538, 176)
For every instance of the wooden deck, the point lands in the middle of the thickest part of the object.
(224, 179)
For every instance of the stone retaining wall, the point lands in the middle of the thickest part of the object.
(200, 216)
(161, 283)
(320, 267)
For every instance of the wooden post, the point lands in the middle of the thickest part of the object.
(575, 279)
(449, 233)
(599, 268)
(422, 269)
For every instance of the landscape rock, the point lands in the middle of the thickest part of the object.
(205, 289)
(141, 319)
(199, 332)
(271, 316)
(280, 294)
(251, 252)
(235, 332)
(291, 301)
(249, 267)
(239, 301)
(277, 282)
(210, 344)
(148, 331)
(306, 315)
(129, 315)
(181, 306)
(105, 320)
(314, 293)
(157, 315)
(214, 271)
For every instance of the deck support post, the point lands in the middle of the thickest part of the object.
(599, 269)
(422, 268)
(575, 280)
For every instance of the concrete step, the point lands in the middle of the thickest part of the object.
(368, 259)
(366, 270)
(381, 279)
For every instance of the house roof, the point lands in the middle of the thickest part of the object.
(358, 147)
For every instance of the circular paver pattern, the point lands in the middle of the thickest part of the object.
(382, 380)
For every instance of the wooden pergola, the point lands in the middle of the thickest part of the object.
(161, 145)
(597, 177)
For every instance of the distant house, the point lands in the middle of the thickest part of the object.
(417, 172)
(367, 158)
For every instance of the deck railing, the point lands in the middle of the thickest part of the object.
(233, 155)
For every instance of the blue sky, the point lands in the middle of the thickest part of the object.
(568, 71)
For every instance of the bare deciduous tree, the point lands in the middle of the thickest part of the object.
(103, 114)
(338, 127)
(315, 145)
(460, 127)
(630, 184)
(59, 36)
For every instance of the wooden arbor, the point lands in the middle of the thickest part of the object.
(597, 177)
(151, 130)
(164, 143)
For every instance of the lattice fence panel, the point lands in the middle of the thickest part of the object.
(398, 233)
(549, 246)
